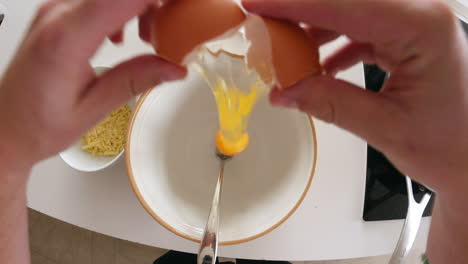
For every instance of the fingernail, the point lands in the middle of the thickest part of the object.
(181, 73)
(168, 74)
(332, 73)
(173, 71)
(248, 4)
(284, 101)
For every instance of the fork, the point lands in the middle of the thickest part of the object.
(411, 225)
(209, 244)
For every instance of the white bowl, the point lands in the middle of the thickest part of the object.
(172, 166)
(81, 160)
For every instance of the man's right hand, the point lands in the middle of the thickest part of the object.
(420, 118)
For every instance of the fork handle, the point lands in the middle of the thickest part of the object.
(209, 245)
(411, 225)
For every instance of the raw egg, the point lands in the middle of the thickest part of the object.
(240, 56)
(236, 90)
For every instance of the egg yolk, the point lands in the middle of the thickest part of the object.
(234, 108)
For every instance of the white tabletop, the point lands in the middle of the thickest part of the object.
(328, 224)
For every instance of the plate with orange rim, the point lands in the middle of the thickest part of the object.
(173, 169)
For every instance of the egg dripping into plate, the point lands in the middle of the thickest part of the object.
(241, 57)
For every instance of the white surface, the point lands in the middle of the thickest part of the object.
(175, 169)
(464, 2)
(328, 225)
(460, 7)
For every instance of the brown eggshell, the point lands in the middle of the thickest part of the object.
(259, 54)
(294, 52)
(182, 25)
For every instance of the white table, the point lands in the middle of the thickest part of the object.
(328, 224)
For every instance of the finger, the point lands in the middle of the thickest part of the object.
(126, 80)
(365, 20)
(367, 114)
(322, 36)
(117, 37)
(102, 16)
(144, 24)
(347, 56)
(146, 19)
(350, 17)
(44, 9)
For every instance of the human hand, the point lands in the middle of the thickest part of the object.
(420, 118)
(144, 25)
(49, 95)
(145, 20)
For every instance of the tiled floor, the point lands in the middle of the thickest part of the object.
(56, 242)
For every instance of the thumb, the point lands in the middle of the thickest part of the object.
(367, 114)
(116, 86)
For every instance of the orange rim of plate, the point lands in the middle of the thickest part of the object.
(184, 235)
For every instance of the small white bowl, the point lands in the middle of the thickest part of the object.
(81, 160)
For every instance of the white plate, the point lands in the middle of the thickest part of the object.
(173, 168)
(460, 7)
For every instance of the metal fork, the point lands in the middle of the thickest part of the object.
(209, 245)
(411, 225)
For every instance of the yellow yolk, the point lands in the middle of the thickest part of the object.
(231, 148)
(234, 108)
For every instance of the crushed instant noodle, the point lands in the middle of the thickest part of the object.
(108, 138)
